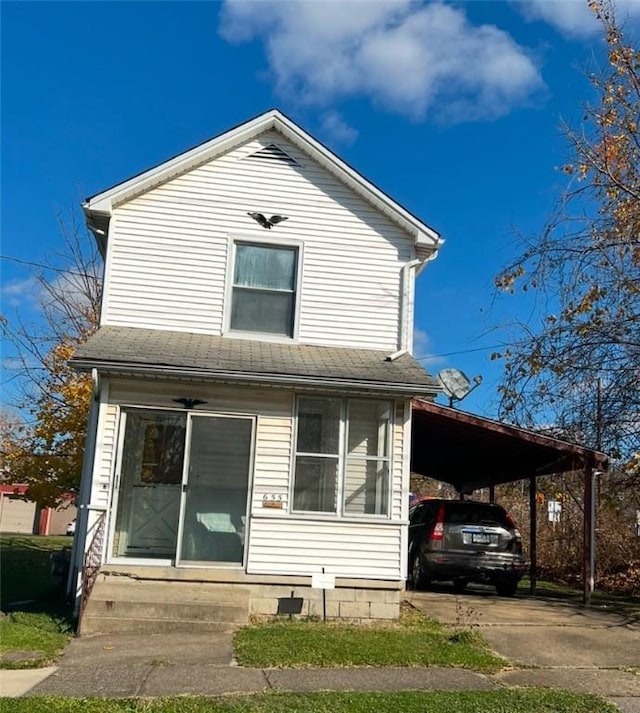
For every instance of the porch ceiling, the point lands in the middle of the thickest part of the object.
(472, 452)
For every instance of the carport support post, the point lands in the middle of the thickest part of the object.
(588, 538)
(533, 536)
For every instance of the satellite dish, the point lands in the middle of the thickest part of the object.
(455, 383)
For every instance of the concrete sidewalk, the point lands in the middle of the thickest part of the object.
(173, 664)
(14, 684)
(559, 646)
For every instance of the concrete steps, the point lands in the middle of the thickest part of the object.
(127, 605)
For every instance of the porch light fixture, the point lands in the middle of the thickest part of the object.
(189, 403)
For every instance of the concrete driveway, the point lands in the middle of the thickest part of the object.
(539, 632)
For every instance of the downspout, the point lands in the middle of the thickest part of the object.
(406, 303)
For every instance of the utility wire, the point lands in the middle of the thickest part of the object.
(46, 267)
(462, 351)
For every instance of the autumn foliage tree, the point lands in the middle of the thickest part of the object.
(579, 368)
(44, 450)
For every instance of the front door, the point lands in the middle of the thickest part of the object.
(184, 480)
(215, 504)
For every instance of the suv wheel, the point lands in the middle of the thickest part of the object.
(506, 589)
(418, 580)
(459, 585)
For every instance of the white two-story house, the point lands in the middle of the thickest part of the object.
(253, 380)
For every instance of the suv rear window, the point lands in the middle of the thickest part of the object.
(460, 513)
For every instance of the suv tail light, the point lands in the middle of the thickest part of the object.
(437, 534)
(516, 532)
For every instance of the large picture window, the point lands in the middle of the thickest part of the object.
(264, 288)
(342, 462)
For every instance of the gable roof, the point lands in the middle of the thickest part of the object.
(134, 350)
(98, 208)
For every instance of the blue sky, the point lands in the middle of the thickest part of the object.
(453, 108)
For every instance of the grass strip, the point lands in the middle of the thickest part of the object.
(32, 639)
(414, 641)
(532, 700)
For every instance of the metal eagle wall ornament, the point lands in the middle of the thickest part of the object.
(268, 223)
(189, 403)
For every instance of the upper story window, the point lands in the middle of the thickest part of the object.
(264, 288)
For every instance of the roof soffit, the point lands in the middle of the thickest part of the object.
(425, 238)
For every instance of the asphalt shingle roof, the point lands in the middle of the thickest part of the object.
(118, 348)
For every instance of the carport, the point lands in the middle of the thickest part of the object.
(471, 452)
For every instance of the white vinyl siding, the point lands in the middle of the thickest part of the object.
(105, 456)
(401, 460)
(168, 249)
(273, 430)
(278, 543)
(344, 549)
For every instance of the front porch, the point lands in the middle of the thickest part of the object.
(143, 599)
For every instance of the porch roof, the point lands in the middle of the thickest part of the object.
(115, 349)
(472, 452)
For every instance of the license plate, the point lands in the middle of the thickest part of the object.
(480, 539)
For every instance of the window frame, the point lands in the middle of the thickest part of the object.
(259, 241)
(343, 458)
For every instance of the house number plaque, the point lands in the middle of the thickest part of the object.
(272, 501)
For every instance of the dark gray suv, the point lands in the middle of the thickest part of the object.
(464, 541)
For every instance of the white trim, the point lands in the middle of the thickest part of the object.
(79, 545)
(234, 377)
(404, 491)
(114, 495)
(186, 462)
(141, 561)
(106, 275)
(265, 240)
(343, 435)
(319, 516)
(116, 478)
(342, 456)
(423, 235)
(252, 418)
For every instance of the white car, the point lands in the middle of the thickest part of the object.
(71, 528)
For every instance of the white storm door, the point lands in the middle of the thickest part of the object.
(214, 508)
(150, 484)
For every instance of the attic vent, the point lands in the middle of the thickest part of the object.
(272, 154)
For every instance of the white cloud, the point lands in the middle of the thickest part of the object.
(337, 128)
(409, 57)
(573, 17)
(18, 292)
(422, 348)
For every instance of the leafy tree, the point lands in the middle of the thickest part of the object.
(46, 449)
(579, 369)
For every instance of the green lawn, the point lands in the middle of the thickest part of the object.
(32, 639)
(414, 641)
(25, 568)
(499, 701)
(37, 626)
